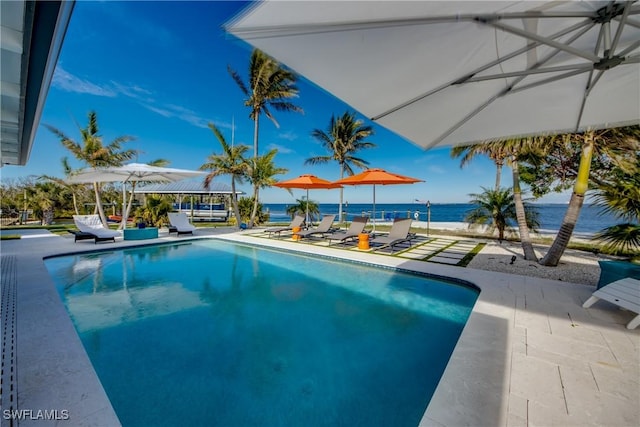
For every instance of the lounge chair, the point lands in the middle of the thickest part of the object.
(180, 223)
(91, 227)
(399, 233)
(356, 228)
(624, 293)
(297, 221)
(323, 228)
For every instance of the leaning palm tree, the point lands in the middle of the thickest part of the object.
(230, 162)
(94, 153)
(497, 208)
(261, 172)
(344, 137)
(269, 86)
(512, 150)
(621, 143)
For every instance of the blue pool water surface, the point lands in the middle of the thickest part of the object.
(212, 333)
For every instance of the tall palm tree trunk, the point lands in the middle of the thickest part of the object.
(575, 205)
(523, 228)
(498, 175)
(254, 211)
(103, 217)
(125, 214)
(256, 126)
(234, 202)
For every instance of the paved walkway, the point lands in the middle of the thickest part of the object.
(443, 250)
(530, 355)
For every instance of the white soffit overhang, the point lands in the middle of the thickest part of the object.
(443, 73)
(31, 37)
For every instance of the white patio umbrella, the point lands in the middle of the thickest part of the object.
(132, 172)
(444, 73)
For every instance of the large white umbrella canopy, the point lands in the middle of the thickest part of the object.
(132, 172)
(443, 73)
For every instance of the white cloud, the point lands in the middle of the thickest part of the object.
(289, 136)
(281, 149)
(436, 169)
(162, 112)
(70, 83)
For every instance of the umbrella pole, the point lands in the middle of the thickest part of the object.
(307, 213)
(123, 220)
(374, 209)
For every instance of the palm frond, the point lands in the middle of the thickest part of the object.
(624, 237)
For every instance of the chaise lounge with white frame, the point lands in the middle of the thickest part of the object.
(91, 227)
(180, 223)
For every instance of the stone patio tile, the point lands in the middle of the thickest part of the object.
(531, 320)
(537, 381)
(516, 421)
(565, 326)
(586, 402)
(567, 351)
(412, 255)
(444, 260)
(458, 250)
(421, 250)
(433, 247)
(625, 348)
(620, 384)
(519, 340)
(448, 254)
(518, 408)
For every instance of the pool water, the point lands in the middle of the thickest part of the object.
(213, 333)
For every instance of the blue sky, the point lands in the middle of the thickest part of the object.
(158, 71)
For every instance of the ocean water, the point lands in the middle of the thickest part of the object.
(591, 218)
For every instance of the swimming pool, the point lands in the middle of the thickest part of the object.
(213, 333)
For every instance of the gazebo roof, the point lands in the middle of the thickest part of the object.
(186, 187)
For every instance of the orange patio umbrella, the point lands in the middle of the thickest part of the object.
(307, 182)
(376, 177)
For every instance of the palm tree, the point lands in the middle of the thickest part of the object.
(495, 150)
(344, 137)
(621, 197)
(501, 151)
(68, 172)
(498, 208)
(301, 207)
(615, 143)
(269, 86)
(230, 162)
(261, 172)
(94, 153)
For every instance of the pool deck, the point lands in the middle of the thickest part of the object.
(529, 355)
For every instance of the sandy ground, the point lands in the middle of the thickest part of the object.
(575, 266)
